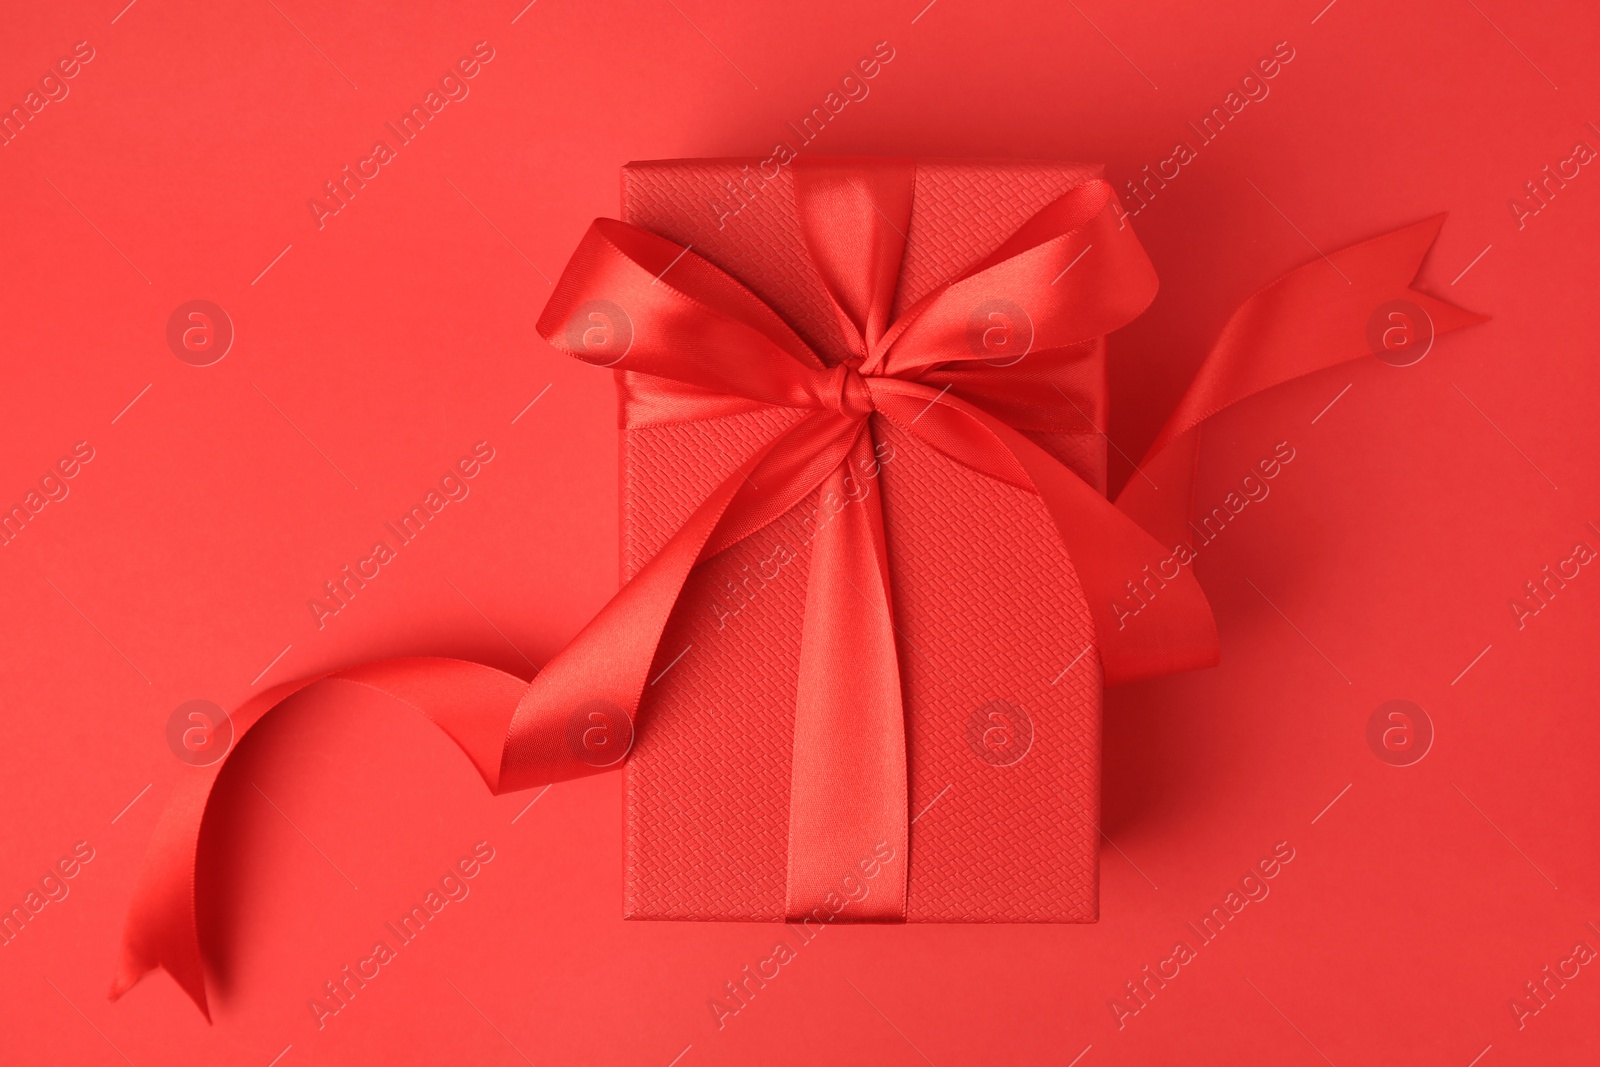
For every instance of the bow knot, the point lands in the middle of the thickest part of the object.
(842, 389)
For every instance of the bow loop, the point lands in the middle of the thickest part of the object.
(1074, 273)
(633, 301)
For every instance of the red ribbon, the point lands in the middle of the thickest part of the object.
(700, 345)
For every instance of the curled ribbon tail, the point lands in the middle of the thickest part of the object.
(469, 701)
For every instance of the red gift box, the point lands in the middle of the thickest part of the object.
(853, 669)
(1002, 687)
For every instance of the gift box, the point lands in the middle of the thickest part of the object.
(1002, 687)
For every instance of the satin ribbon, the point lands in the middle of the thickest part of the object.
(700, 346)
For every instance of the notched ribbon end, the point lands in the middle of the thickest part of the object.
(132, 971)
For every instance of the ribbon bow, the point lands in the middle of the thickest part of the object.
(697, 345)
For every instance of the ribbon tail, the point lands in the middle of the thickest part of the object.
(1150, 615)
(1314, 317)
(597, 681)
(469, 701)
(848, 793)
(593, 687)
(1171, 629)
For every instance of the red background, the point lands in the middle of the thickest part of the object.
(399, 334)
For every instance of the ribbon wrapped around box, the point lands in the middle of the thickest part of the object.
(873, 585)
